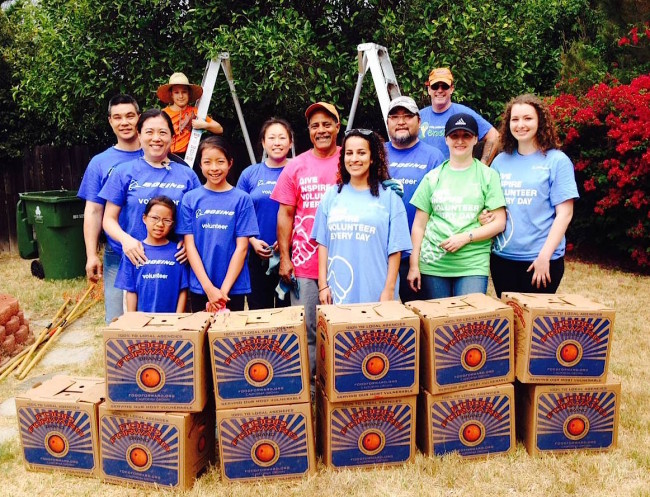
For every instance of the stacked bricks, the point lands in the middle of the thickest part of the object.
(466, 404)
(260, 369)
(565, 399)
(367, 384)
(15, 334)
(156, 427)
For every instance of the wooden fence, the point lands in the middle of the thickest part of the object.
(42, 168)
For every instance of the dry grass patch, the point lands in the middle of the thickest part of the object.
(623, 472)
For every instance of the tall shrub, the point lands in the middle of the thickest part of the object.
(607, 134)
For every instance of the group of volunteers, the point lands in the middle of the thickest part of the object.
(415, 218)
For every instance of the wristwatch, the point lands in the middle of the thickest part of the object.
(471, 237)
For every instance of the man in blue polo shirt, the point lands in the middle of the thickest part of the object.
(123, 114)
(409, 159)
(432, 129)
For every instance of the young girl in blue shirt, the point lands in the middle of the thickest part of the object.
(217, 221)
(160, 283)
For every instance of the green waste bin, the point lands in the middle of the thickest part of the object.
(56, 219)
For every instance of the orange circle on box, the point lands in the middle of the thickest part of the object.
(56, 444)
(569, 352)
(371, 441)
(258, 372)
(139, 457)
(473, 357)
(576, 427)
(375, 365)
(150, 377)
(265, 452)
(472, 432)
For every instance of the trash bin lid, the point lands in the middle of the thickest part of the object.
(51, 196)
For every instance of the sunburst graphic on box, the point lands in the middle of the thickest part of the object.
(453, 422)
(471, 351)
(392, 352)
(349, 424)
(576, 419)
(159, 443)
(52, 434)
(258, 366)
(287, 434)
(573, 346)
(171, 370)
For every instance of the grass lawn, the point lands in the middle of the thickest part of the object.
(623, 472)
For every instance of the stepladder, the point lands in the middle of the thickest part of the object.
(375, 58)
(209, 80)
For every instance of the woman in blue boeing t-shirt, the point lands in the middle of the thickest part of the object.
(160, 284)
(217, 221)
(539, 186)
(258, 181)
(361, 227)
(132, 184)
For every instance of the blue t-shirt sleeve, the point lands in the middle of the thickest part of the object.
(435, 159)
(243, 182)
(319, 231)
(91, 183)
(114, 190)
(195, 181)
(246, 219)
(563, 182)
(126, 275)
(184, 226)
(399, 238)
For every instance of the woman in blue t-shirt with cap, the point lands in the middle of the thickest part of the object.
(539, 185)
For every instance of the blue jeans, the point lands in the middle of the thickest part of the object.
(309, 299)
(438, 287)
(113, 297)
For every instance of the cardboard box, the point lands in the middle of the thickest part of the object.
(466, 342)
(155, 448)
(259, 358)
(274, 442)
(366, 433)
(560, 338)
(471, 422)
(157, 362)
(58, 425)
(367, 351)
(563, 418)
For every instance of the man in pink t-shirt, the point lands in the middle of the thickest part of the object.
(300, 187)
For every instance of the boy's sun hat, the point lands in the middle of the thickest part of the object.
(178, 78)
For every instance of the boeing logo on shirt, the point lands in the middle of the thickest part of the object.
(156, 184)
(206, 212)
(261, 182)
(413, 165)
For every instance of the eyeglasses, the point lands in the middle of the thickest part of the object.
(438, 86)
(361, 131)
(165, 221)
(397, 117)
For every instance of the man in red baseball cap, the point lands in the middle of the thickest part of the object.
(299, 190)
(440, 86)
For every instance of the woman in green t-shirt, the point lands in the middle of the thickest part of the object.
(451, 250)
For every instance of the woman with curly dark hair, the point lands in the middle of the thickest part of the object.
(539, 186)
(361, 227)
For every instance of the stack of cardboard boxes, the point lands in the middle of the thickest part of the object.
(467, 401)
(367, 384)
(565, 400)
(156, 426)
(260, 370)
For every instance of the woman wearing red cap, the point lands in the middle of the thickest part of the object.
(451, 250)
(178, 93)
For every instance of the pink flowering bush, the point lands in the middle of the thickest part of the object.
(606, 133)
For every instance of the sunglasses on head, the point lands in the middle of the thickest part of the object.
(361, 131)
(438, 86)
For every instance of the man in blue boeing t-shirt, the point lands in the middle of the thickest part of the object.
(440, 87)
(123, 113)
(409, 159)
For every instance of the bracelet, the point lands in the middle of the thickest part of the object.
(324, 288)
